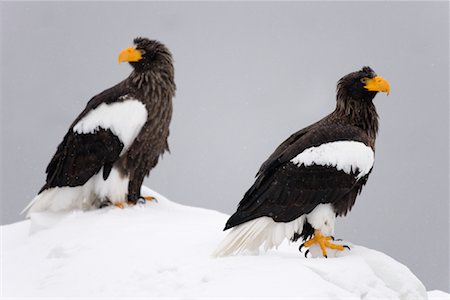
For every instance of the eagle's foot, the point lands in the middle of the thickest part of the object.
(120, 204)
(104, 203)
(142, 200)
(149, 198)
(323, 242)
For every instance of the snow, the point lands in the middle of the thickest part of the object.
(347, 156)
(163, 249)
(116, 117)
(435, 295)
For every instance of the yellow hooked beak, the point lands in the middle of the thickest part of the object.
(378, 84)
(130, 55)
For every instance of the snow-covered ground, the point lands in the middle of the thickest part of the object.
(163, 250)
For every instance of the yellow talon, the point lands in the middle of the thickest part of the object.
(324, 242)
(149, 198)
(120, 204)
(123, 204)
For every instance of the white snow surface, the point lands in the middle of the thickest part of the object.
(125, 119)
(163, 249)
(347, 156)
(435, 295)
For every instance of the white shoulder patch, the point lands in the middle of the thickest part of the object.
(125, 119)
(346, 156)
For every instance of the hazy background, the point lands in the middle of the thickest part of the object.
(248, 75)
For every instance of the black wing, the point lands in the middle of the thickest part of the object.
(285, 191)
(284, 146)
(80, 156)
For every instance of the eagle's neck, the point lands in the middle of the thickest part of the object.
(143, 81)
(154, 84)
(360, 113)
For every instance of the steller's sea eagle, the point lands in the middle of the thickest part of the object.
(116, 140)
(313, 176)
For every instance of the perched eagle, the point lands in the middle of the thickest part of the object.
(313, 176)
(116, 140)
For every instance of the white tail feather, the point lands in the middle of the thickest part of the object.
(58, 199)
(250, 236)
(63, 199)
(32, 202)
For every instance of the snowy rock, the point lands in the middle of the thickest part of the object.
(163, 249)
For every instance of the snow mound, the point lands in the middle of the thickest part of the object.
(435, 295)
(163, 249)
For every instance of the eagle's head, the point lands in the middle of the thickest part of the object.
(361, 85)
(147, 55)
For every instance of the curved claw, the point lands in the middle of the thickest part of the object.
(140, 200)
(334, 239)
(325, 256)
(150, 198)
(306, 253)
(345, 246)
(301, 246)
(105, 204)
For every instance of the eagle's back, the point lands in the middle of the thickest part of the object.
(285, 190)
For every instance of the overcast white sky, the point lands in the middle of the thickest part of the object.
(248, 75)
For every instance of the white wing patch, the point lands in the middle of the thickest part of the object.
(125, 120)
(346, 156)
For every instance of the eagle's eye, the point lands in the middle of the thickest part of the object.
(141, 51)
(364, 79)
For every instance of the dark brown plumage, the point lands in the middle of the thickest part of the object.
(123, 130)
(289, 188)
